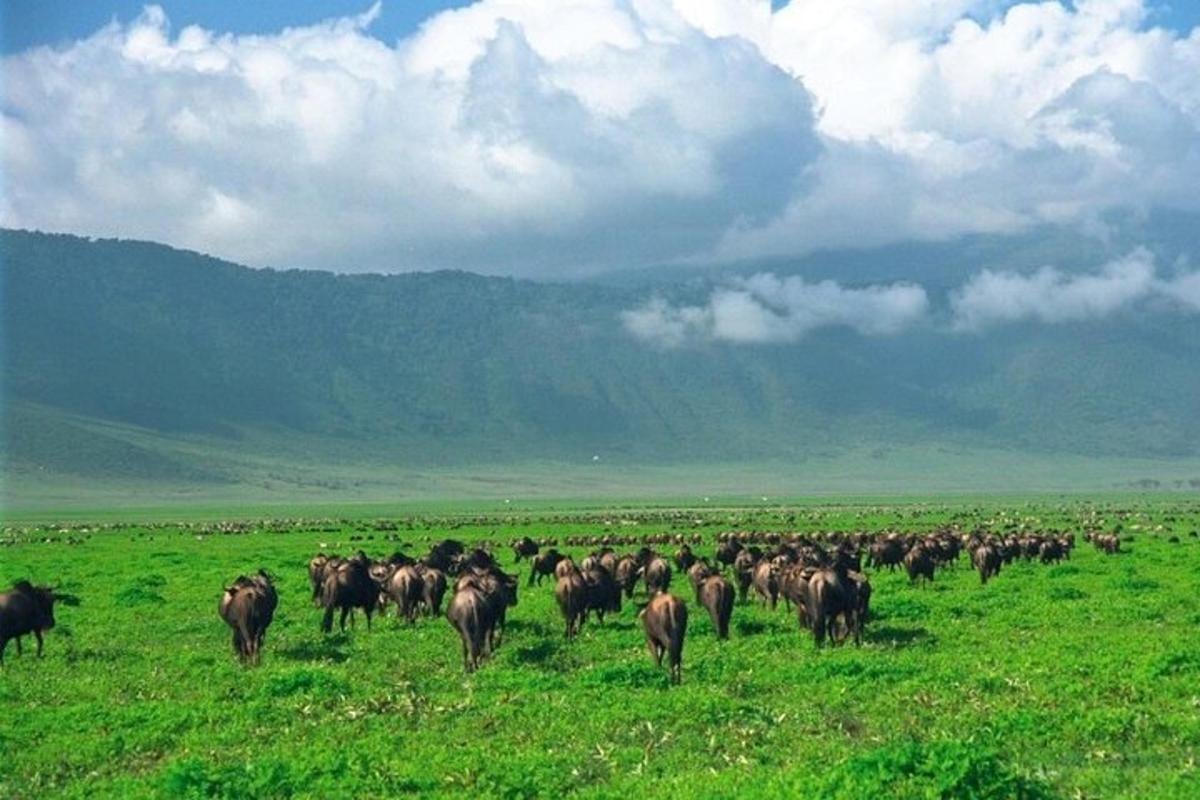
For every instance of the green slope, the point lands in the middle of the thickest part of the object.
(134, 362)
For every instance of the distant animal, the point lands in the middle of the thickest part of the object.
(664, 620)
(406, 588)
(716, 595)
(433, 589)
(524, 548)
(765, 581)
(28, 609)
(248, 607)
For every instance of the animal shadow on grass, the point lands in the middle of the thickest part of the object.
(535, 627)
(750, 627)
(331, 648)
(890, 636)
(538, 655)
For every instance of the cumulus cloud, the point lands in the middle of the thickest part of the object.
(1048, 295)
(768, 308)
(520, 137)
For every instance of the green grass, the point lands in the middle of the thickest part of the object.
(1073, 680)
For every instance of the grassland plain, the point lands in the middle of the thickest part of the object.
(1075, 680)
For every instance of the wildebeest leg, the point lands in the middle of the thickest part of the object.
(18, 645)
(342, 623)
(38, 635)
(327, 622)
(819, 628)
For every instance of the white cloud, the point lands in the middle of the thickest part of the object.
(767, 308)
(551, 138)
(1050, 296)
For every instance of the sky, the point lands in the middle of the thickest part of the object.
(558, 138)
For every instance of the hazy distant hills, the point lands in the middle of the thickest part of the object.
(134, 360)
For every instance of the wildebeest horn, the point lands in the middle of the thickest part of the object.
(66, 599)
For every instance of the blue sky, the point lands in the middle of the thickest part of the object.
(25, 23)
(32, 22)
(509, 139)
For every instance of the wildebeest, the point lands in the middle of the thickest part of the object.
(832, 593)
(524, 548)
(887, 552)
(405, 588)
(665, 621)
(316, 574)
(716, 595)
(603, 594)
(986, 559)
(919, 564)
(346, 587)
(543, 564)
(571, 595)
(27, 609)
(696, 575)
(433, 589)
(765, 581)
(684, 558)
(657, 575)
(727, 551)
(248, 606)
(626, 574)
(471, 615)
(743, 571)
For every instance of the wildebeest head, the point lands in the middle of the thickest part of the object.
(41, 599)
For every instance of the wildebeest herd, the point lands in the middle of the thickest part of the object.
(820, 576)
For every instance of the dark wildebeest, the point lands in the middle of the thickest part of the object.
(406, 587)
(348, 586)
(716, 595)
(444, 556)
(793, 586)
(765, 580)
(657, 575)
(524, 548)
(684, 558)
(603, 594)
(571, 594)
(919, 564)
(1051, 551)
(832, 593)
(433, 589)
(727, 551)
(471, 615)
(986, 559)
(27, 609)
(888, 552)
(248, 606)
(543, 564)
(665, 621)
(499, 591)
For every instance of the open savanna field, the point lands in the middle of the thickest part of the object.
(1080, 679)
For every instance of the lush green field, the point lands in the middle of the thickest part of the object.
(1072, 680)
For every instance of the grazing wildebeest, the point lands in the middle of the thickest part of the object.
(248, 606)
(406, 588)
(27, 609)
(433, 589)
(524, 548)
(470, 614)
(543, 564)
(665, 621)
(986, 559)
(657, 575)
(444, 556)
(348, 586)
(571, 595)
(1050, 551)
(716, 595)
(919, 564)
